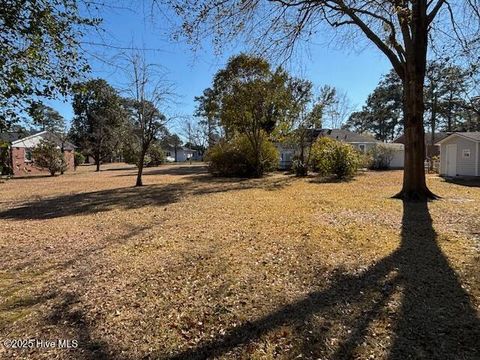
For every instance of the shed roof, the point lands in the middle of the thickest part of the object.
(428, 138)
(473, 136)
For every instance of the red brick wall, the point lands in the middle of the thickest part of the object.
(25, 168)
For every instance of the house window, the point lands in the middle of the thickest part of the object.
(466, 153)
(361, 147)
(168, 153)
(28, 155)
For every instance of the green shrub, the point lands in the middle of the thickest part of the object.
(78, 158)
(365, 160)
(332, 157)
(381, 157)
(238, 158)
(299, 167)
(47, 155)
(155, 155)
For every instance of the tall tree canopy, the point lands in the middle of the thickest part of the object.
(45, 117)
(446, 103)
(39, 52)
(382, 115)
(252, 99)
(402, 30)
(99, 118)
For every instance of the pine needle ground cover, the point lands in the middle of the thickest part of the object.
(192, 267)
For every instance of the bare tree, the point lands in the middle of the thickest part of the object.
(338, 111)
(148, 91)
(403, 30)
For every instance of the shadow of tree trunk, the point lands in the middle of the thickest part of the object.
(434, 321)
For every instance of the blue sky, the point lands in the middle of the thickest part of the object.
(355, 73)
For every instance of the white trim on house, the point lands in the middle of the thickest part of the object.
(455, 134)
(33, 140)
(22, 140)
(477, 158)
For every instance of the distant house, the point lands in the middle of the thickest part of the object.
(181, 154)
(361, 142)
(460, 154)
(21, 153)
(431, 148)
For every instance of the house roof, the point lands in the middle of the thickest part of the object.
(10, 136)
(33, 140)
(473, 136)
(439, 136)
(184, 148)
(347, 136)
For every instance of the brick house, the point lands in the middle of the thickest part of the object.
(21, 153)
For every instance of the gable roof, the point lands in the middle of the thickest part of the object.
(33, 140)
(347, 136)
(182, 148)
(473, 136)
(428, 138)
(10, 136)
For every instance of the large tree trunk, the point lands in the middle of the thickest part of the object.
(140, 168)
(414, 184)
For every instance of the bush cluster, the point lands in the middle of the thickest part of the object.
(78, 158)
(47, 155)
(380, 157)
(332, 157)
(299, 167)
(155, 155)
(237, 157)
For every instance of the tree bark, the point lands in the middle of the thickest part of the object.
(140, 169)
(97, 163)
(414, 69)
(433, 128)
(414, 182)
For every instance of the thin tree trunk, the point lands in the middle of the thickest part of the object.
(97, 163)
(63, 156)
(433, 124)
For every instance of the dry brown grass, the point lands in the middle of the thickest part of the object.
(194, 267)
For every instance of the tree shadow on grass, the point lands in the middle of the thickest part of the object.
(469, 182)
(435, 318)
(66, 316)
(94, 202)
(136, 197)
(179, 170)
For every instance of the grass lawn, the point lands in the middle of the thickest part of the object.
(193, 267)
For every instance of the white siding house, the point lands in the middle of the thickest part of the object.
(460, 154)
(181, 154)
(362, 142)
(398, 156)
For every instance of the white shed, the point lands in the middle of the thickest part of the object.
(460, 154)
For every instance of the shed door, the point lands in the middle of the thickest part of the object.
(451, 160)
